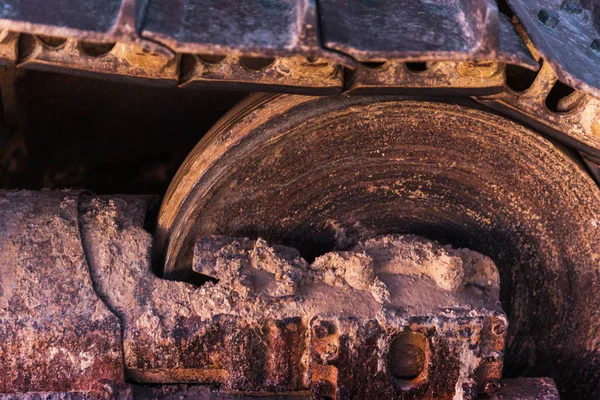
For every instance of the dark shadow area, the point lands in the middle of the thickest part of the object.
(556, 96)
(109, 137)
(518, 78)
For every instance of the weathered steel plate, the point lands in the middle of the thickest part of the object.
(67, 16)
(412, 30)
(246, 27)
(99, 20)
(95, 20)
(297, 74)
(511, 48)
(421, 30)
(225, 27)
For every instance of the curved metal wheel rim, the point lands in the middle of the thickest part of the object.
(551, 259)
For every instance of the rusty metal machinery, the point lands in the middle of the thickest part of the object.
(453, 172)
(344, 326)
(284, 260)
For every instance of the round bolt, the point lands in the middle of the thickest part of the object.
(320, 331)
(548, 18)
(492, 386)
(499, 328)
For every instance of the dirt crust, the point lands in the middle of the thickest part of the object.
(268, 297)
(81, 309)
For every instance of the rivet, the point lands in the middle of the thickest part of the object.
(548, 18)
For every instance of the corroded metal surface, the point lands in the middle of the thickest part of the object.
(424, 30)
(118, 60)
(469, 177)
(173, 331)
(96, 21)
(436, 30)
(283, 74)
(388, 164)
(511, 48)
(334, 370)
(57, 336)
(567, 35)
(247, 27)
(593, 165)
(243, 336)
(260, 327)
(91, 18)
(438, 78)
